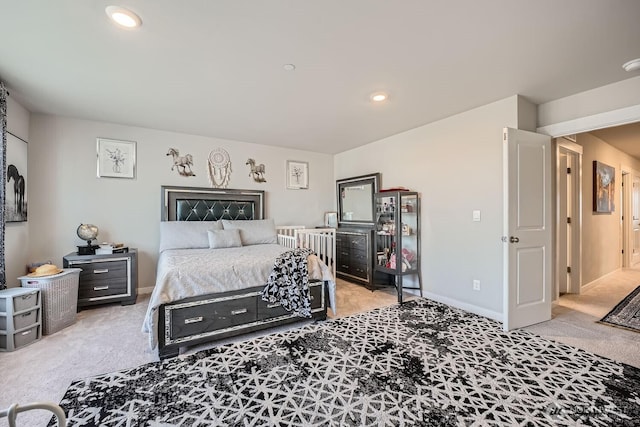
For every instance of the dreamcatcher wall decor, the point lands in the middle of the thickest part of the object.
(219, 168)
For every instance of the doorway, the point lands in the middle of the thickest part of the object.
(569, 217)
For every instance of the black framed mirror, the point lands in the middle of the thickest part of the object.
(355, 200)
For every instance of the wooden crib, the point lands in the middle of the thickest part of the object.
(322, 241)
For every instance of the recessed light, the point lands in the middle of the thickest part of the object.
(123, 17)
(633, 65)
(289, 67)
(378, 96)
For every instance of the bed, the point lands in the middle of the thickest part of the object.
(216, 251)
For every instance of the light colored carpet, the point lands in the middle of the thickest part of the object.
(109, 338)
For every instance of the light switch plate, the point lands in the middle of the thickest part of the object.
(476, 215)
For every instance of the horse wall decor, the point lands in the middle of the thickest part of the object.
(19, 187)
(257, 171)
(181, 163)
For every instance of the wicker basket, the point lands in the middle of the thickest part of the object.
(59, 298)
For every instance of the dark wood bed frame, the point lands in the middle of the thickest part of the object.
(215, 316)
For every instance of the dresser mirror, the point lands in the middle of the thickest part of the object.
(355, 199)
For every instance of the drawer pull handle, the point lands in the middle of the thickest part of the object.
(100, 288)
(104, 270)
(193, 320)
(311, 298)
(25, 314)
(24, 297)
(239, 311)
(26, 332)
(274, 305)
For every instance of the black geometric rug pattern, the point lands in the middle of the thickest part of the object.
(626, 313)
(422, 363)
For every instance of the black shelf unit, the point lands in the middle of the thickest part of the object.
(397, 240)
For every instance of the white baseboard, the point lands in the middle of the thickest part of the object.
(144, 291)
(465, 306)
(593, 283)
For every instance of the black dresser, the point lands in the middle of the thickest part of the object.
(353, 255)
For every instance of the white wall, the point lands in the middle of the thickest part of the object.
(623, 94)
(456, 165)
(17, 233)
(64, 190)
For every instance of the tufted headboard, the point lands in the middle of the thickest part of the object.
(210, 204)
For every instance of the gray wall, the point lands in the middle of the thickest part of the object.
(64, 190)
(456, 165)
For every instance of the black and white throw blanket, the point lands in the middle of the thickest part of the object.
(288, 283)
(419, 364)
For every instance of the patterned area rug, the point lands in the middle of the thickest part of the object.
(627, 313)
(423, 363)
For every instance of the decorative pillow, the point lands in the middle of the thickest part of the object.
(219, 239)
(186, 234)
(256, 232)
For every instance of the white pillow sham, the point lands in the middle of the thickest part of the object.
(186, 234)
(253, 232)
(219, 239)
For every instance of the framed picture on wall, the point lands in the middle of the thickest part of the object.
(16, 184)
(297, 175)
(116, 158)
(604, 178)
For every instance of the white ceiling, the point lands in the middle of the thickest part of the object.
(215, 68)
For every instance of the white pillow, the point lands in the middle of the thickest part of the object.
(256, 232)
(219, 239)
(186, 234)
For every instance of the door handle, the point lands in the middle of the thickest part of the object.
(514, 239)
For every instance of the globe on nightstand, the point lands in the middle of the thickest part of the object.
(87, 232)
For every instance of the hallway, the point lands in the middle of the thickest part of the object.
(575, 316)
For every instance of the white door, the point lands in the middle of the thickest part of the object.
(527, 228)
(635, 203)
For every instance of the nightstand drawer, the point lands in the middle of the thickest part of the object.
(103, 288)
(102, 271)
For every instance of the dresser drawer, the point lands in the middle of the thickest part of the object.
(220, 314)
(359, 270)
(358, 256)
(359, 242)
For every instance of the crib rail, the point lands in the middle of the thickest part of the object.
(322, 241)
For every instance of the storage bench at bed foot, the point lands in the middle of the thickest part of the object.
(268, 310)
(212, 316)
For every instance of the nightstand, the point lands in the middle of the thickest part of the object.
(105, 278)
